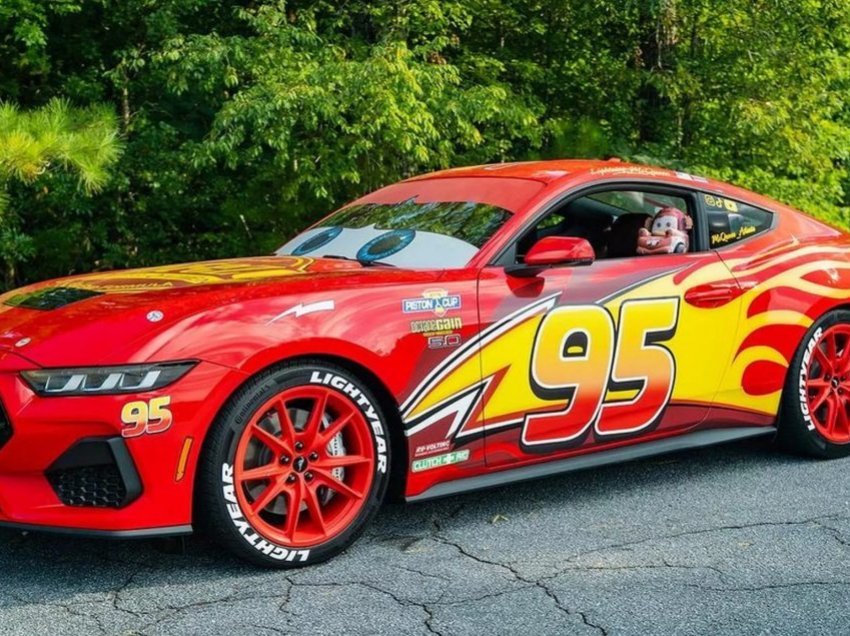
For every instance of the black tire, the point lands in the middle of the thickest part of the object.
(798, 434)
(219, 513)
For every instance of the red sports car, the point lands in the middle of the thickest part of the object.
(459, 330)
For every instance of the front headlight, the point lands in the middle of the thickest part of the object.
(130, 378)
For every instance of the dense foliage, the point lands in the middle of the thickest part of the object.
(53, 137)
(243, 120)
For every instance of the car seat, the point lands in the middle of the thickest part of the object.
(623, 236)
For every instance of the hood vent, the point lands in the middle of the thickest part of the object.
(51, 298)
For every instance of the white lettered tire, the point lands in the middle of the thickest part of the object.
(815, 410)
(295, 466)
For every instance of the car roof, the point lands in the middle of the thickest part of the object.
(547, 171)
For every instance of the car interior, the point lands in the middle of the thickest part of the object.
(723, 225)
(610, 221)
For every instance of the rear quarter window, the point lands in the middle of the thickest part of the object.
(731, 221)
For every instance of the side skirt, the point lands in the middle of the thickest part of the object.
(697, 439)
(145, 533)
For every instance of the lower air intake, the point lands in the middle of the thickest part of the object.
(95, 486)
(95, 473)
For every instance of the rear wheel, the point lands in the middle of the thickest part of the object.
(295, 466)
(815, 413)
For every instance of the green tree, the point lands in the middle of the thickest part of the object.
(315, 116)
(56, 136)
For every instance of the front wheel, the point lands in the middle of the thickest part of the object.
(295, 465)
(815, 410)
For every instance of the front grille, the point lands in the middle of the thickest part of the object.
(97, 473)
(96, 486)
(5, 427)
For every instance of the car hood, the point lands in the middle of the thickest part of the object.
(95, 318)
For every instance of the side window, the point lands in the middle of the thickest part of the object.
(620, 223)
(731, 221)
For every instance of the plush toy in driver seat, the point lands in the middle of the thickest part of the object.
(669, 233)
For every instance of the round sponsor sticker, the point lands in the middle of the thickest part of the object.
(155, 316)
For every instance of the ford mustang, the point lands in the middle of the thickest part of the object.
(454, 331)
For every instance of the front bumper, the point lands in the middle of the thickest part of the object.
(65, 466)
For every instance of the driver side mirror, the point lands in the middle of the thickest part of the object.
(554, 250)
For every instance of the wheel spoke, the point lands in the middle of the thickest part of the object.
(294, 496)
(819, 401)
(830, 346)
(275, 443)
(311, 498)
(334, 428)
(316, 415)
(831, 415)
(342, 461)
(843, 361)
(823, 360)
(269, 494)
(336, 485)
(260, 472)
(287, 429)
(841, 419)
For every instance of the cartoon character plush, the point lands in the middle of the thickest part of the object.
(669, 233)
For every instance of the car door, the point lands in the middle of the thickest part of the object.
(586, 357)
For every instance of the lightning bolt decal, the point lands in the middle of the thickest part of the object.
(455, 390)
(301, 309)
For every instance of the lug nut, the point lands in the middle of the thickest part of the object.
(308, 476)
(285, 459)
(314, 456)
(299, 446)
(290, 479)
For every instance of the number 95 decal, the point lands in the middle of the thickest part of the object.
(149, 417)
(582, 360)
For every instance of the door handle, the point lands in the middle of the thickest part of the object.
(713, 295)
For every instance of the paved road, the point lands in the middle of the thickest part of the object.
(732, 539)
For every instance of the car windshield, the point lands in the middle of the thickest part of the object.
(436, 234)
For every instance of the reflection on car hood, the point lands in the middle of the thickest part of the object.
(92, 318)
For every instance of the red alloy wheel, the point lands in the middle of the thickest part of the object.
(304, 466)
(828, 384)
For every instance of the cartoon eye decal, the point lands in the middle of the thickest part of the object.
(317, 240)
(385, 245)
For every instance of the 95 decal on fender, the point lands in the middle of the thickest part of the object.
(146, 417)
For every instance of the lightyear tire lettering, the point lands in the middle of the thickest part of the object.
(295, 466)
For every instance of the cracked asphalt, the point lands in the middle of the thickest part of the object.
(733, 539)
